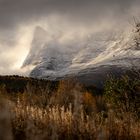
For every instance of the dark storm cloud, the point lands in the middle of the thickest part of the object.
(14, 12)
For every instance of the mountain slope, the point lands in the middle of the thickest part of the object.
(95, 56)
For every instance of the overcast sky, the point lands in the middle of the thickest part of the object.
(18, 18)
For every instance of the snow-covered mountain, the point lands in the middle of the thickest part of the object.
(90, 58)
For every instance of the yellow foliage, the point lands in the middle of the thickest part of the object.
(89, 102)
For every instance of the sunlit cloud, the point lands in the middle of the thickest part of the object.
(65, 21)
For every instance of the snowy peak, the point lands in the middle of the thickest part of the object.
(39, 34)
(39, 40)
(54, 58)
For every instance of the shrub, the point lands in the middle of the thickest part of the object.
(123, 93)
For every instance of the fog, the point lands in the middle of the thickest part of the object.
(68, 19)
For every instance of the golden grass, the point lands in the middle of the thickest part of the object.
(68, 114)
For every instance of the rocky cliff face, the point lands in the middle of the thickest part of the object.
(92, 58)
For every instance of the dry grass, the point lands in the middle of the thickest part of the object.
(69, 114)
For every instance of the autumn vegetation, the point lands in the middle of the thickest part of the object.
(34, 109)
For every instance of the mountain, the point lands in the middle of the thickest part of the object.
(90, 59)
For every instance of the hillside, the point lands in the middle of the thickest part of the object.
(19, 84)
(89, 59)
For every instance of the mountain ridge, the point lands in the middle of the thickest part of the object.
(53, 59)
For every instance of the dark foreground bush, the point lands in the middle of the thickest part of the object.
(123, 94)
